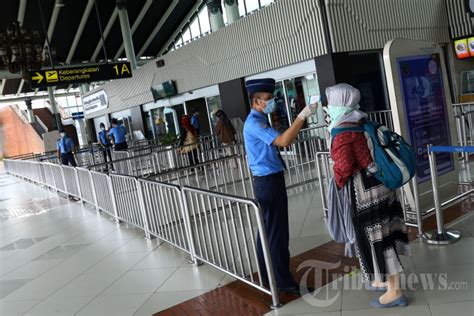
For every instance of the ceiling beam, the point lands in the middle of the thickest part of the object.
(20, 87)
(135, 25)
(21, 12)
(158, 27)
(52, 22)
(179, 28)
(79, 31)
(107, 29)
(36, 97)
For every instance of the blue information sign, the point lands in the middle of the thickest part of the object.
(426, 113)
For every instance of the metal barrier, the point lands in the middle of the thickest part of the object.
(464, 115)
(103, 193)
(382, 117)
(442, 236)
(71, 181)
(225, 230)
(225, 175)
(324, 175)
(300, 160)
(86, 185)
(129, 201)
(163, 206)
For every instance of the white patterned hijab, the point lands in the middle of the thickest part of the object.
(343, 105)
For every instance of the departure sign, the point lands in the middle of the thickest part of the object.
(72, 75)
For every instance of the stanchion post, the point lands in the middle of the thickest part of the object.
(440, 236)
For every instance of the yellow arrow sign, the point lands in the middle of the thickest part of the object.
(39, 77)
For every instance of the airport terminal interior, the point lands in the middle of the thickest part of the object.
(237, 157)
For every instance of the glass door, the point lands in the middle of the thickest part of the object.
(279, 118)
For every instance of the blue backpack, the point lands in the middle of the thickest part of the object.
(393, 156)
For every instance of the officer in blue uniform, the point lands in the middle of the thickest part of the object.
(105, 143)
(66, 149)
(267, 167)
(118, 132)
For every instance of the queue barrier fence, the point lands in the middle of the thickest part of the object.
(217, 228)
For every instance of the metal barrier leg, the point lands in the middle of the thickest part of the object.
(419, 218)
(440, 236)
(146, 226)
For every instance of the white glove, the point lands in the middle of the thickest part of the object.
(308, 111)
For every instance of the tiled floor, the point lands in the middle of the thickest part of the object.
(65, 259)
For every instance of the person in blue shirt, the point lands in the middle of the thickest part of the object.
(66, 149)
(195, 122)
(105, 143)
(118, 134)
(267, 167)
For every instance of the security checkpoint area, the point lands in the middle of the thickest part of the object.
(153, 163)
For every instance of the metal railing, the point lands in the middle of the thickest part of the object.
(464, 116)
(225, 230)
(382, 117)
(223, 233)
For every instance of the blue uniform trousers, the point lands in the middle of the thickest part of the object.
(68, 158)
(270, 192)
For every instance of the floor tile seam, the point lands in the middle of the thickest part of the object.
(118, 278)
(306, 215)
(143, 304)
(77, 277)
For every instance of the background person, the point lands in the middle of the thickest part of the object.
(189, 141)
(195, 122)
(66, 149)
(378, 220)
(225, 132)
(267, 167)
(118, 135)
(105, 143)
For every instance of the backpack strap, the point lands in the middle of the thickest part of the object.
(339, 130)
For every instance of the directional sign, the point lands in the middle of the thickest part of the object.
(72, 75)
(77, 115)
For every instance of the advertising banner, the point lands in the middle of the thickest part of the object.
(426, 114)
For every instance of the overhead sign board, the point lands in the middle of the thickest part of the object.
(72, 75)
(77, 115)
(95, 102)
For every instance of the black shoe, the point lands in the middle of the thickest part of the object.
(295, 290)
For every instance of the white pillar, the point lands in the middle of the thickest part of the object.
(54, 108)
(232, 10)
(126, 33)
(214, 8)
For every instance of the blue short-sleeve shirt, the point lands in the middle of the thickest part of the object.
(118, 132)
(103, 138)
(65, 145)
(259, 136)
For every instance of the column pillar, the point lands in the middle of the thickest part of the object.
(54, 109)
(126, 33)
(29, 109)
(232, 10)
(216, 18)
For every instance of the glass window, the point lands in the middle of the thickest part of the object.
(204, 20)
(186, 35)
(467, 82)
(213, 105)
(194, 26)
(252, 5)
(242, 10)
(279, 117)
(266, 2)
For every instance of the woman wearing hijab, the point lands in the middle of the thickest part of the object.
(377, 215)
(189, 141)
(225, 131)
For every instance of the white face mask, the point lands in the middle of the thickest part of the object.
(102, 128)
(62, 134)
